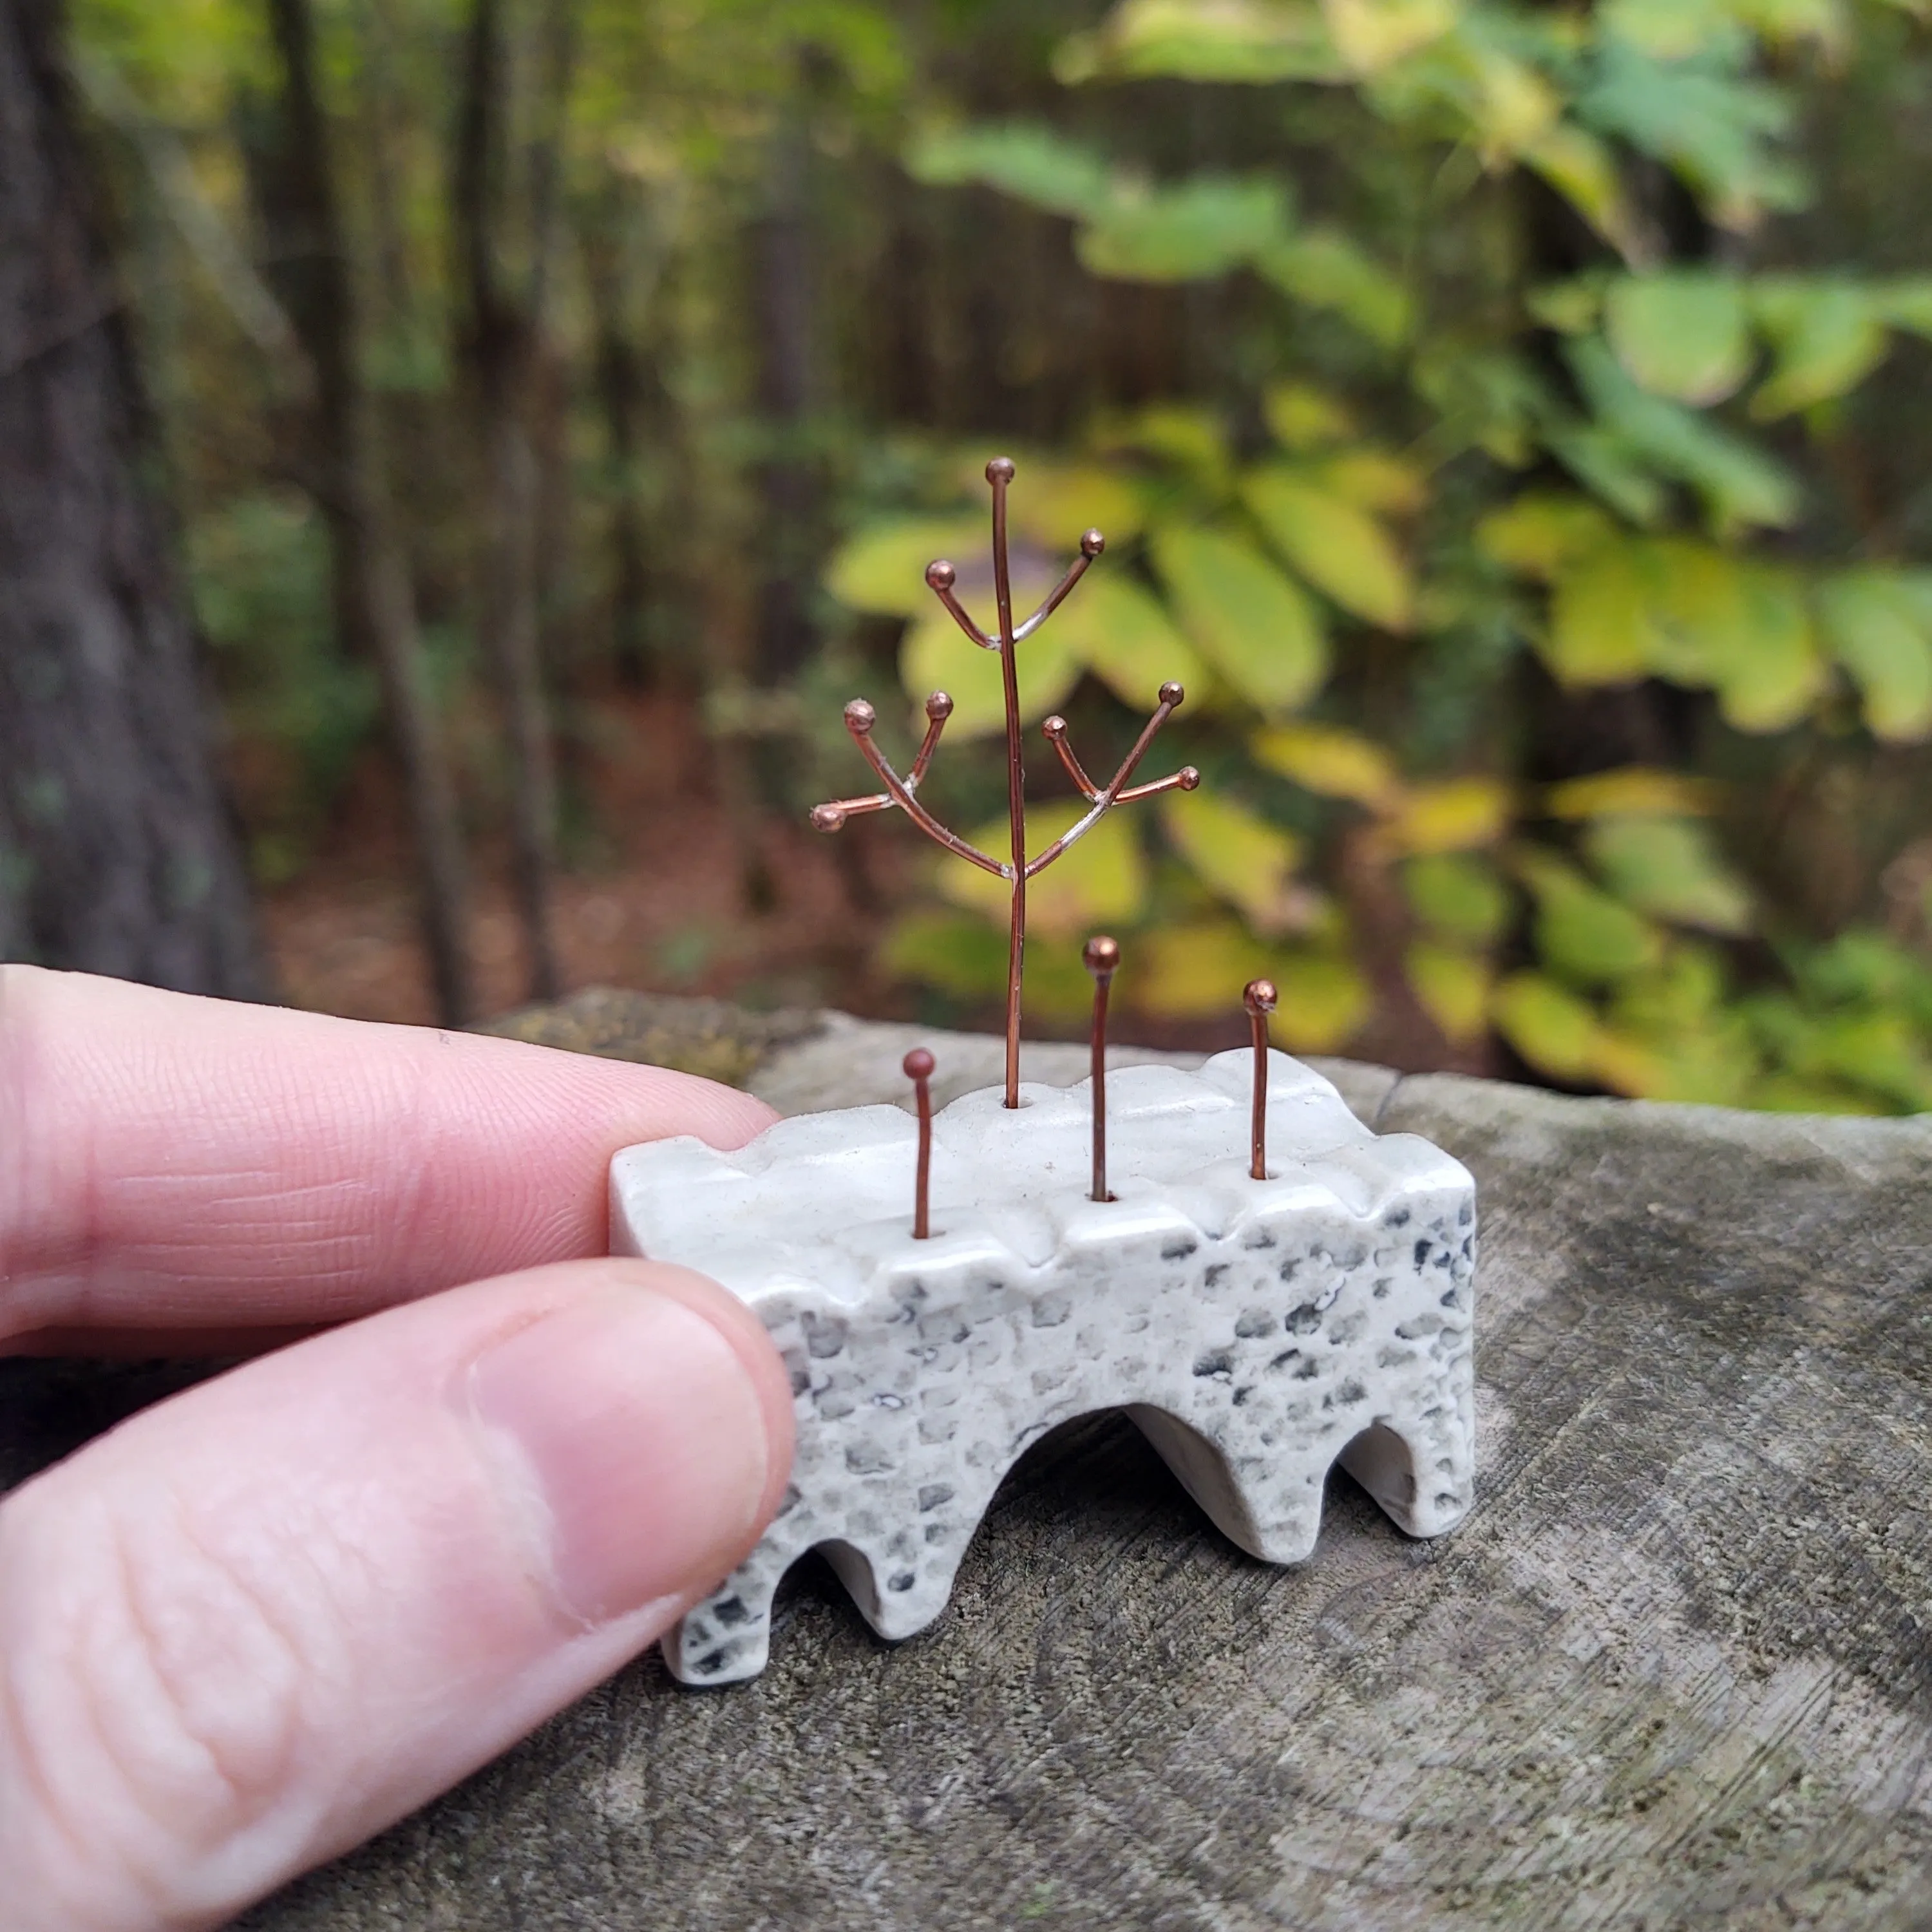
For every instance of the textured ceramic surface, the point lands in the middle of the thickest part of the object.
(1256, 1331)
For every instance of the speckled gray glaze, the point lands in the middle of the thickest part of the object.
(1257, 1332)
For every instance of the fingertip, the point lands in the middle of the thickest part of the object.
(265, 1618)
(751, 1345)
(200, 1163)
(635, 1428)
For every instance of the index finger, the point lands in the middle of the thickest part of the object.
(168, 1161)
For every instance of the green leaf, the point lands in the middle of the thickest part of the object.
(1681, 333)
(1606, 464)
(1552, 1029)
(1717, 129)
(1583, 170)
(1736, 624)
(1905, 302)
(965, 954)
(1600, 628)
(1460, 897)
(1192, 438)
(1829, 337)
(1373, 479)
(1629, 791)
(1540, 536)
(1255, 41)
(1454, 987)
(1778, 675)
(1195, 971)
(1031, 164)
(1331, 762)
(1326, 268)
(1301, 418)
(1372, 34)
(1740, 484)
(1337, 546)
(1671, 868)
(1120, 632)
(1324, 1000)
(1451, 815)
(1252, 624)
(1236, 854)
(1864, 967)
(1877, 1050)
(1202, 227)
(961, 954)
(1100, 881)
(1666, 30)
(1784, 22)
(1878, 623)
(1574, 307)
(1584, 934)
(882, 568)
(1487, 398)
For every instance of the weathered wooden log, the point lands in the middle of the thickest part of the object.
(1674, 1670)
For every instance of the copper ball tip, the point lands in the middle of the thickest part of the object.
(918, 1064)
(860, 717)
(1259, 996)
(1101, 955)
(1171, 693)
(1000, 470)
(1054, 727)
(1188, 778)
(939, 705)
(1092, 544)
(827, 817)
(941, 575)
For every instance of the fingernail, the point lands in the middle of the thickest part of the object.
(630, 1444)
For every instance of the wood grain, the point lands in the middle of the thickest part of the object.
(1674, 1671)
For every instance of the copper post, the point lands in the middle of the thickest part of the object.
(1101, 957)
(918, 1065)
(1259, 996)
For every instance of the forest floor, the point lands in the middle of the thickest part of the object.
(670, 890)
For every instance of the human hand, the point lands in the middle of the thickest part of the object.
(259, 1622)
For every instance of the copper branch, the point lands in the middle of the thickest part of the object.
(859, 719)
(940, 576)
(1186, 779)
(1055, 728)
(1091, 544)
(829, 817)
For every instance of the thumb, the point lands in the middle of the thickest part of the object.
(258, 1623)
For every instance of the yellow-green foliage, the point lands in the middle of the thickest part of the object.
(1618, 471)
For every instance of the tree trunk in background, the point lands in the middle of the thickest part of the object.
(786, 639)
(506, 331)
(118, 852)
(620, 378)
(374, 599)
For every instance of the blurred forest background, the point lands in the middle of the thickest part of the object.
(1511, 422)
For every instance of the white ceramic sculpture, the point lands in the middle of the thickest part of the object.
(1257, 1331)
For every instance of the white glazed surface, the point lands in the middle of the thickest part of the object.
(1257, 1331)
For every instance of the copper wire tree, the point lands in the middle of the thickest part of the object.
(903, 792)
